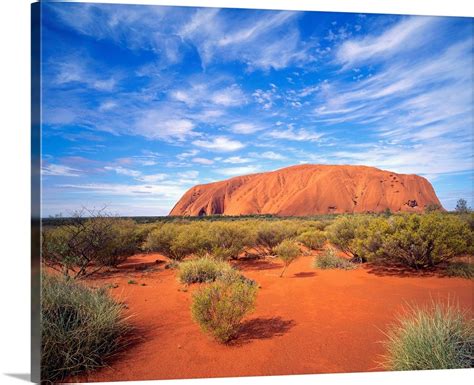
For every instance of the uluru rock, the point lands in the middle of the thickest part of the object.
(308, 190)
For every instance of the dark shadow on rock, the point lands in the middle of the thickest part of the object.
(262, 328)
(304, 274)
(20, 376)
(401, 271)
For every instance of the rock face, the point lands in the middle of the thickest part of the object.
(308, 190)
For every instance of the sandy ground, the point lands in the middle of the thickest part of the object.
(309, 321)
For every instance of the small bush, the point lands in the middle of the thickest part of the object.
(438, 337)
(270, 234)
(330, 260)
(287, 251)
(162, 239)
(314, 240)
(201, 270)
(346, 232)
(81, 328)
(220, 307)
(85, 245)
(230, 239)
(460, 269)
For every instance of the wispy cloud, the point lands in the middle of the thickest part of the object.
(59, 170)
(237, 160)
(233, 171)
(245, 128)
(296, 135)
(219, 144)
(404, 35)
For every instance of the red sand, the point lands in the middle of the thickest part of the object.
(309, 321)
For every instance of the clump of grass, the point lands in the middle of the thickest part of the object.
(201, 270)
(330, 260)
(81, 328)
(232, 275)
(436, 337)
(132, 282)
(220, 307)
(460, 269)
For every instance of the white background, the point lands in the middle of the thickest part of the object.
(15, 182)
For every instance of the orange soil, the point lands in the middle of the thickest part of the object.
(309, 321)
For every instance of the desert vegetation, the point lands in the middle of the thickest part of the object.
(202, 270)
(83, 246)
(81, 328)
(209, 252)
(287, 250)
(439, 336)
(330, 260)
(220, 307)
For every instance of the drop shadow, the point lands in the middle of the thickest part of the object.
(262, 328)
(20, 376)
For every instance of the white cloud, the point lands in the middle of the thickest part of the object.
(164, 190)
(192, 174)
(407, 34)
(152, 178)
(59, 170)
(230, 96)
(297, 135)
(123, 171)
(76, 69)
(266, 98)
(210, 93)
(234, 171)
(220, 144)
(187, 154)
(272, 155)
(236, 160)
(204, 161)
(156, 124)
(245, 128)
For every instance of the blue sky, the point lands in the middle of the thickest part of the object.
(140, 103)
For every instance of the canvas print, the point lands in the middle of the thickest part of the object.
(244, 192)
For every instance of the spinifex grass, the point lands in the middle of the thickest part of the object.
(440, 336)
(81, 328)
(201, 270)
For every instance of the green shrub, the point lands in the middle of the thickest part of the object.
(162, 240)
(231, 275)
(80, 327)
(201, 270)
(330, 260)
(192, 239)
(270, 234)
(83, 246)
(460, 269)
(287, 251)
(230, 239)
(438, 337)
(346, 232)
(418, 241)
(312, 239)
(220, 307)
